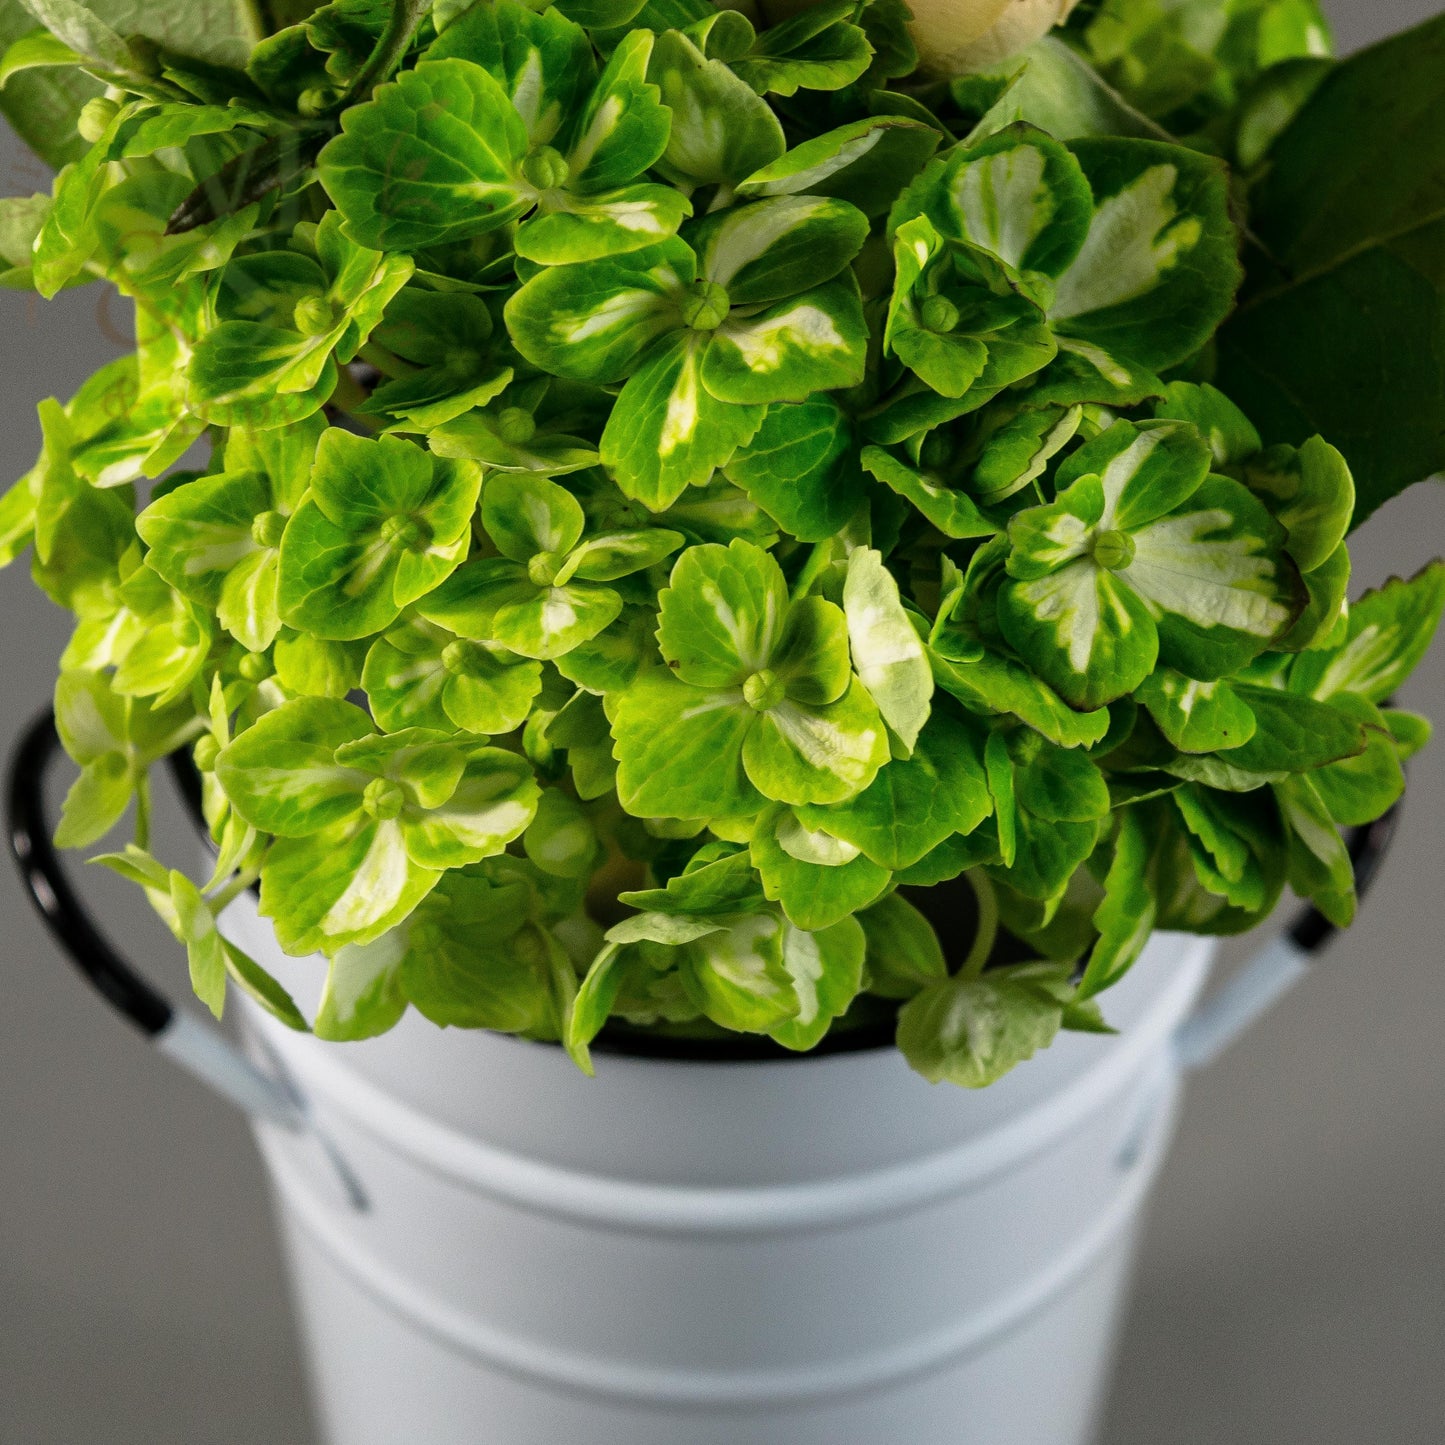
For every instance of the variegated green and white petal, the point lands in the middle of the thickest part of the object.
(832, 881)
(492, 697)
(816, 342)
(721, 131)
(668, 431)
(541, 60)
(812, 657)
(826, 965)
(1390, 629)
(679, 750)
(954, 513)
(491, 806)
(403, 683)
(866, 162)
(554, 620)
(525, 515)
(247, 606)
(1082, 630)
(949, 363)
(468, 601)
(341, 886)
(995, 684)
(722, 615)
(570, 227)
(1196, 717)
(1085, 372)
(737, 976)
(888, 653)
(1159, 268)
(625, 126)
(1216, 580)
(595, 320)
(775, 248)
(1135, 237)
(1043, 539)
(1019, 194)
(812, 845)
(915, 246)
(1145, 469)
(799, 754)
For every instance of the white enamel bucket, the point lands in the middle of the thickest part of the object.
(821, 1251)
(488, 1248)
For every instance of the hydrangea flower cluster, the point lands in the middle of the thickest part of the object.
(672, 491)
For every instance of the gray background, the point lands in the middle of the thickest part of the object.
(1291, 1291)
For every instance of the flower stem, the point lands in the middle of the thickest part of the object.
(406, 15)
(987, 935)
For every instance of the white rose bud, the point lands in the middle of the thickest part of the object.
(956, 36)
(953, 36)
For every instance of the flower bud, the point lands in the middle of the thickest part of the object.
(956, 36)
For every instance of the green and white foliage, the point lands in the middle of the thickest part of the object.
(622, 501)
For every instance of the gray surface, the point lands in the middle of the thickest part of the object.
(1291, 1291)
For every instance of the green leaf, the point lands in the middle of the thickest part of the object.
(561, 839)
(888, 653)
(708, 887)
(1349, 211)
(1125, 919)
(1390, 630)
(802, 469)
(1158, 270)
(1319, 863)
(972, 1032)
(431, 158)
(1294, 733)
(904, 955)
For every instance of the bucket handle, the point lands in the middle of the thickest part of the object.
(194, 1043)
(204, 1051)
(1231, 1011)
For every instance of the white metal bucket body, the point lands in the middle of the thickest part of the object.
(676, 1253)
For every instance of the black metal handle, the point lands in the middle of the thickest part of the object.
(49, 888)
